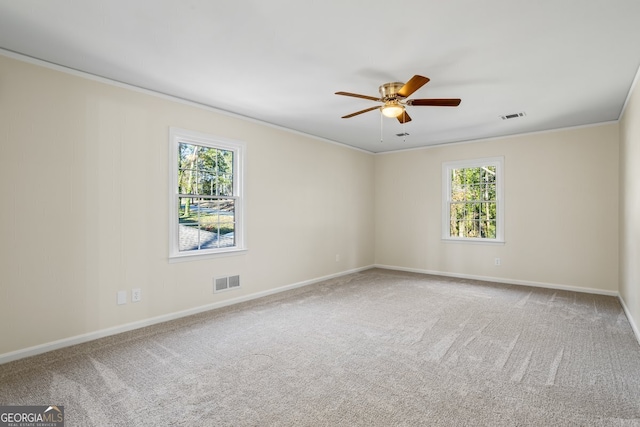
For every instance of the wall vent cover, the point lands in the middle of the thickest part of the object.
(234, 282)
(226, 283)
(512, 116)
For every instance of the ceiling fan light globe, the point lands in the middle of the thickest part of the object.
(393, 110)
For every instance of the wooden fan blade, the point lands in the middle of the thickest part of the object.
(355, 95)
(413, 85)
(449, 102)
(360, 112)
(404, 117)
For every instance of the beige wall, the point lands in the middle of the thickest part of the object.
(83, 179)
(561, 210)
(630, 208)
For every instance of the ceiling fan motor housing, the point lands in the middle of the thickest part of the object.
(390, 91)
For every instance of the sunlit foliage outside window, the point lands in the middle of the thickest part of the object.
(206, 200)
(473, 202)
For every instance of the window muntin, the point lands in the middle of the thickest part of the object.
(472, 200)
(206, 208)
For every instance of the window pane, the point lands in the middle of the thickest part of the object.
(225, 185)
(226, 222)
(468, 212)
(207, 220)
(457, 193)
(188, 233)
(455, 228)
(203, 182)
(489, 211)
(187, 159)
(224, 171)
(207, 158)
(468, 228)
(476, 191)
(488, 229)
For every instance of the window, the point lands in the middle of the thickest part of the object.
(206, 204)
(473, 207)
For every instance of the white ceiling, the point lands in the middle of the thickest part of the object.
(562, 62)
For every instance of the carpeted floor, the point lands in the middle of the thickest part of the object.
(377, 348)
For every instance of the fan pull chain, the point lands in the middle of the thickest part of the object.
(404, 133)
(381, 120)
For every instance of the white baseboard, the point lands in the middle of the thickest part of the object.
(502, 280)
(79, 339)
(632, 322)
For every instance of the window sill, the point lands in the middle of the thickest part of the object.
(473, 241)
(211, 255)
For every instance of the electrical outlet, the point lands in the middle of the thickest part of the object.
(497, 261)
(136, 295)
(122, 297)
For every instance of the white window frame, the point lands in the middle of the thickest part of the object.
(177, 136)
(447, 167)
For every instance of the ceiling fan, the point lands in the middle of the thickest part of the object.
(394, 96)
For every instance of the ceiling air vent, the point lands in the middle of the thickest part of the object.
(512, 116)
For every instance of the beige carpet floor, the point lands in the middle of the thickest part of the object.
(376, 348)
